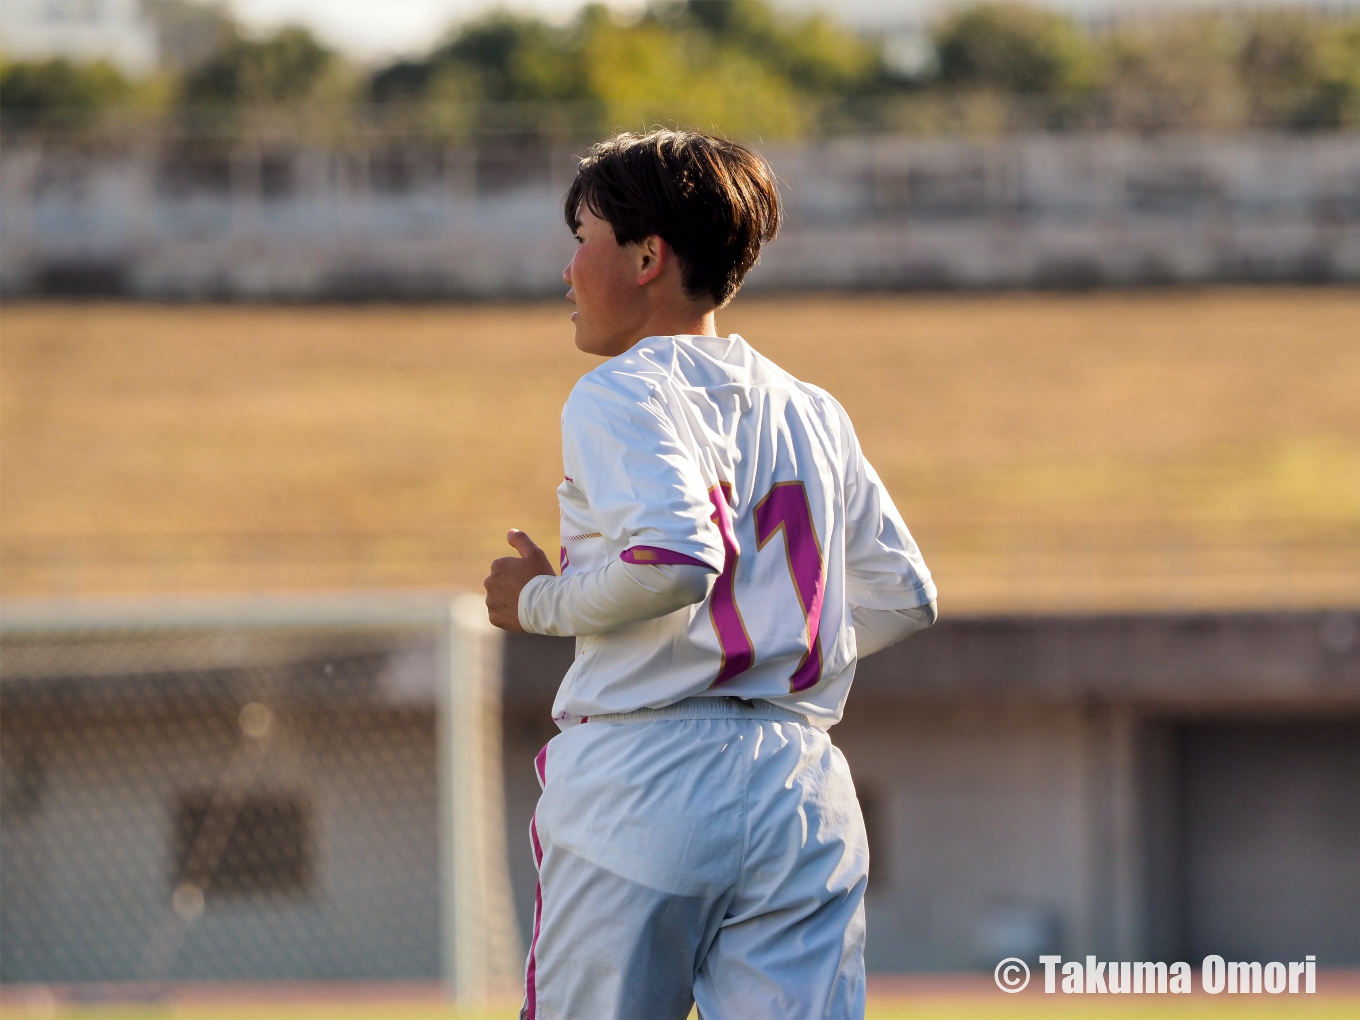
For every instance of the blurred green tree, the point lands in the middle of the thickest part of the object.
(812, 53)
(738, 67)
(59, 93)
(741, 67)
(496, 73)
(501, 57)
(285, 67)
(1299, 71)
(644, 74)
(1341, 63)
(516, 59)
(1013, 48)
(1173, 72)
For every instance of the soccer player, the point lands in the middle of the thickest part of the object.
(727, 553)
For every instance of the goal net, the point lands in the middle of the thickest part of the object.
(300, 790)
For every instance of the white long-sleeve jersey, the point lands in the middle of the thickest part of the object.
(699, 450)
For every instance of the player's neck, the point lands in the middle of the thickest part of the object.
(681, 324)
(662, 319)
(677, 318)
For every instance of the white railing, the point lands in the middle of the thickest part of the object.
(430, 221)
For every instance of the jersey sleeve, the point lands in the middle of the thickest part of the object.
(644, 488)
(883, 566)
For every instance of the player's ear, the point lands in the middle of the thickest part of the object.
(652, 253)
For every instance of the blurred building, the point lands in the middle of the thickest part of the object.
(80, 30)
(277, 217)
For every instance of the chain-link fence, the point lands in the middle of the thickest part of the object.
(276, 790)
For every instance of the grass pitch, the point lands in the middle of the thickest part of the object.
(1028, 1007)
(1101, 451)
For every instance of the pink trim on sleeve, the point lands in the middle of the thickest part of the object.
(652, 556)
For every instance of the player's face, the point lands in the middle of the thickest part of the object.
(603, 277)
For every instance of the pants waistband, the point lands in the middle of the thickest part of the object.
(709, 708)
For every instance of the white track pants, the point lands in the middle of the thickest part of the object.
(712, 852)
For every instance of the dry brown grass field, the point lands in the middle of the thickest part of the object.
(1099, 451)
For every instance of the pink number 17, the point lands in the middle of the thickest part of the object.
(784, 508)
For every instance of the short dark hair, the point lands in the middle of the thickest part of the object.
(713, 201)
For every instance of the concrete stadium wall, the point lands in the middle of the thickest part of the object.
(162, 220)
(979, 832)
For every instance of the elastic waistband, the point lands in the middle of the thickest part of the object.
(709, 708)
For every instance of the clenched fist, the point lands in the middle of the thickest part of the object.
(508, 577)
